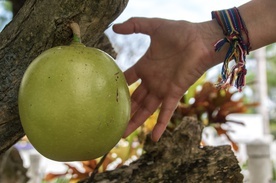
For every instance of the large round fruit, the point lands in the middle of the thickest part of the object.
(74, 103)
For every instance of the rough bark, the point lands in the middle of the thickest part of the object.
(40, 25)
(178, 158)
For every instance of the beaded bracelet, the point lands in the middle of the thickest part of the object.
(233, 26)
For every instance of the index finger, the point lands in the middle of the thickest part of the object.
(137, 25)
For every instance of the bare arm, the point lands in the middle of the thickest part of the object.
(260, 19)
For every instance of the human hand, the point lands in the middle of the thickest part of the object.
(179, 53)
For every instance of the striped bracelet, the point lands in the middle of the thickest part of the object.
(233, 26)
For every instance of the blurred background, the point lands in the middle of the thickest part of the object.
(254, 122)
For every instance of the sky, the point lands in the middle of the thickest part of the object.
(190, 10)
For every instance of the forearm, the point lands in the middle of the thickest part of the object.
(259, 17)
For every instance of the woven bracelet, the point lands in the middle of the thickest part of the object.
(233, 26)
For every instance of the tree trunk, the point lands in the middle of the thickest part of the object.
(40, 25)
(178, 158)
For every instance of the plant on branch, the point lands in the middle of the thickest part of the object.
(211, 106)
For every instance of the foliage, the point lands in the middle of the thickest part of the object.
(212, 106)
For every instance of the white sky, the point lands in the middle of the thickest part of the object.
(190, 10)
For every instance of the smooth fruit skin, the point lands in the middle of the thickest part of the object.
(74, 103)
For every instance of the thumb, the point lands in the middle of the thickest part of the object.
(137, 25)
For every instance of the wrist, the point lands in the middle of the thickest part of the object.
(211, 32)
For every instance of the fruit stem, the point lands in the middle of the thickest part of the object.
(76, 32)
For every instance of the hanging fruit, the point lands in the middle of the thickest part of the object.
(74, 102)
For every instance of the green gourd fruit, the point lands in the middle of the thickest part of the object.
(74, 103)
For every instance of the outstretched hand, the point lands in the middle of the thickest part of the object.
(179, 53)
